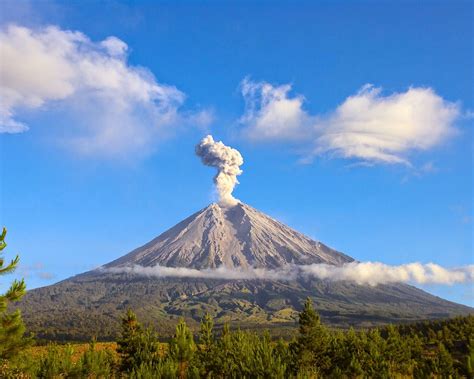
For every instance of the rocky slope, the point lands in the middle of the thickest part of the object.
(238, 236)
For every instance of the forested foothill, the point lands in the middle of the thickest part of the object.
(432, 349)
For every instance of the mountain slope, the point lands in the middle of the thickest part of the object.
(91, 304)
(238, 236)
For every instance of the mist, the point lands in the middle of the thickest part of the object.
(362, 273)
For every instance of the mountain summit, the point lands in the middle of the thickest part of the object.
(233, 237)
(236, 236)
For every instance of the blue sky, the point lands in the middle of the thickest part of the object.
(99, 172)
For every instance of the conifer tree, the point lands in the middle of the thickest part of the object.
(206, 351)
(206, 334)
(182, 347)
(265, 360)
(397, 351)
(313, 341)
(443, 362)
(136, 346)
(12, 328)
(470, 359)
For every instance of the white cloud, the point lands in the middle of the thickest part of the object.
(373, 273)
(367, 126)
(270, 114)
(363, 273)
(286, 273)
(115, 46)
(110, 107)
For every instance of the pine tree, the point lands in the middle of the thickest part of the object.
(136, 346)
(443, 362)
(397, 351)
(265, 360)
(182, 347)
(470, 360)
(12, 328)
(206, 334)
(312, 345)
(206, 352)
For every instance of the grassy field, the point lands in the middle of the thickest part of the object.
(78, 349)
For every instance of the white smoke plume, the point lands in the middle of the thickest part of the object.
(227, 161)
(363, 273)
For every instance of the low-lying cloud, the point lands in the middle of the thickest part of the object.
(363, 273)
(367, 126)
(286, 273)
(107, 106)
(373, 273)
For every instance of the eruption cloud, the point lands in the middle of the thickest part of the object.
(227, 161)
(362, 273)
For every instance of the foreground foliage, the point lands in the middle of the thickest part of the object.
(12, 328)
(435, 349)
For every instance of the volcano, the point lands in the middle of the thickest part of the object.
(237, 236)
(233, 237)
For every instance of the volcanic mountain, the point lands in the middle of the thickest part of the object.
(236, 237)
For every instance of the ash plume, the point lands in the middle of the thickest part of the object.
(227, 161)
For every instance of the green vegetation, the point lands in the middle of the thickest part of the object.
(434, 349)
(12, 329)
(93, 303)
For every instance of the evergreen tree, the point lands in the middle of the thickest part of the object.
(182, 347)
(136, 346)
(96, 363)
(444, 362)
(224, 358)
(397, 352)
(265, 360)
(206, 352)
(469, 368)
(206, 334)
(12, 328)
(312, 345)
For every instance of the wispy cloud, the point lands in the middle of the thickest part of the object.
(112, 107)
(364, 273)
(286, 273)
(368, 126)
(35, 270)
(464, 213)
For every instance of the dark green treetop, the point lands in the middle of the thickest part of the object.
(12, 329)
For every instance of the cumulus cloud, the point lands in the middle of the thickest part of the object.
(227, 161)
(363, 273)
(271, 114)
(109, 106)
(368, 126)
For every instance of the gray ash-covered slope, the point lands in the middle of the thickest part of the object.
(91, 304)
(238, 236)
